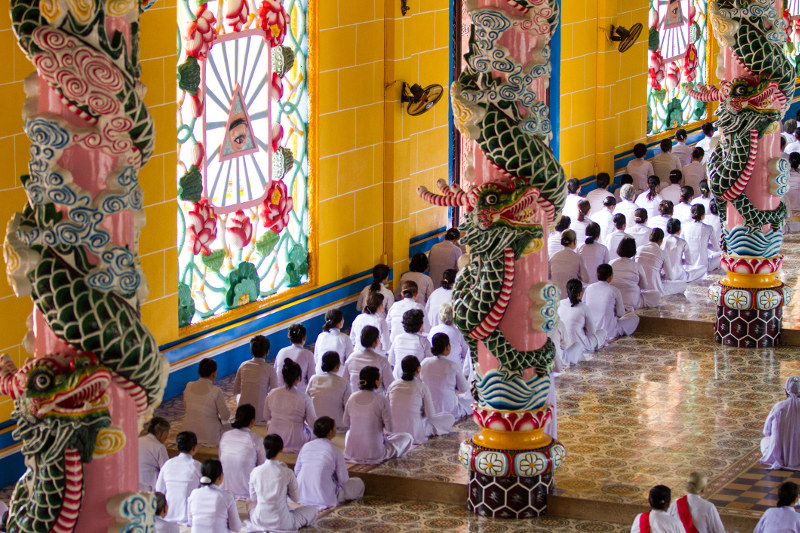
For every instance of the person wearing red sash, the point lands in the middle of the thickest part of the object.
(696, 514)
(657, 520)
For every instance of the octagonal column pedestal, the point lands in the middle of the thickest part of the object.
(749, 302)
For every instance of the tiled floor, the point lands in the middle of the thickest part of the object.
(695, 304)
(752, 491)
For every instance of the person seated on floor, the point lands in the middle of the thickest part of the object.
(650, 199)
(598, 195)
(570, 208)
(665, 209)
(459, 349)
(179, 477)
(331, 339)
(780, 447)
(694, 172)
(666, 161)
(554, 238)
(593, 252)
(255, 378)
(695, 513)
(411, 342)
(368, 357)
(615, 237)
(683, 209)
(605, 218)
(329, 391)
(162, 525)
(651, 258)
(380, 280)
(626, 205)
(296, 352)
(444, 255)
(657, 519)
(370, 439)
(271, 486)
(322, 478)
(211, 508)
(440, 296)
(289, 411)
(412, 407)
(629, 278)
(783, 518)
(445, 379)
(677, 257)
(640, 231)
(416, 273)
(606, 306)
(699, 238)
(672, 192)
(567, 264)
(372, 315)
(576, 327)
(625, 179)
(705, 198)
(240, 451)
(394, 318)
(579, 223)
(152, 452)
(639, 168)
(206, 411)
(680, 150)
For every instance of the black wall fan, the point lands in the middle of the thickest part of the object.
(625, 37)
(420, 99)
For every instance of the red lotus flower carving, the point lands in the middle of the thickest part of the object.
(200, 33)
(274, 20)
(202, 227)
(239, 230)
(277, 207)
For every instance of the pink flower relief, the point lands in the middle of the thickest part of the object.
(690, 63)
(236, 14)
(655, 70)
(202, 227)
(239, 229)
(274, 20)
(276, 207)
(200, 33)
(275, 87)
(277, 136)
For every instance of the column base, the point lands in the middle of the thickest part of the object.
(748, 328)
(509, 497)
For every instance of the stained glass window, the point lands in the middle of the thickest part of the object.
(677, 50)
(243, 168)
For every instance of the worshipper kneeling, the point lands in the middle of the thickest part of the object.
(410, 342)
(179, 477)
(780, 447)
(368, 356)
(152, 452)
(576, 326)
(240, 451)
(270, 485)
(657, 520)
(370, 439)
(331, 339)
(394, 318)
(255, 378)
(162, 526)
(211, 508)
(206, 411)
(445, 379)
(297, 353)
(329, 391)
(289, 410)
(372, 315)
(782, 518)
(322, 476)
(695, 513)
(606, 305)
(629, 278)
(651, 258)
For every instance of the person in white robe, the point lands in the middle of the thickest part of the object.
(370, 439)
(615, 237)
(657, 519)
(416, 273)
(626, 206)
(639, 230)
(665, 162)
(445, 380)
(793, 145)
(665, 209)
(444, 256)
(783, 517)
(693, 511)
(410, 342)
(567, 264)
(367, 357)
(152, 452)
(329, 391)
(780, 447)
(695, 172)
(629, 278)
(206, 411)
(322, 477)
(651, 258)
(683, 209)
(554, 237)
(297, 353)
(372, 315)
(576, 326)
(639, 168)
(606, 306)
(380, 279)
(271, 486)
(394, 318)
(240, 451)
(672, 192)
(713, 220)
(570, 208)
(598, 195)
(625, 179)
(212, 509)
(593, 252)
(579, 224)
(331, 339)
(705, 142)
(680, 150)
(440, 296)
(792, 197)
(412, 407)
(705, 252)
(162, 524)
(677, 258)
(605, 218)
(289, 411)
(650, 199)
(179, 477)
(459, 349)
(255, 378)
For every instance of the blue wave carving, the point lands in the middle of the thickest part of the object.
(516, 394)
(742, 242)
